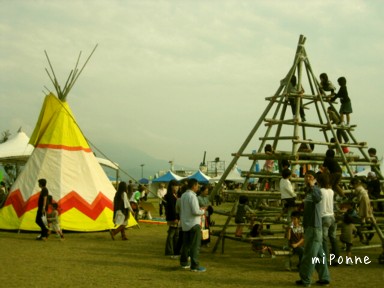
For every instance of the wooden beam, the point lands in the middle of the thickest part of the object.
(279, 138)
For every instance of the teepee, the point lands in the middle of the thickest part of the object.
(75, 179)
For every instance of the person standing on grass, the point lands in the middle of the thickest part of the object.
(42, 206)
(243, 212)
(295, 237)
(204, 203)
(313, 238)
(348, 230)
(121, 211)
(190, 217)
(172, 219)
(328, 220)
(53, 220)
(160, 194)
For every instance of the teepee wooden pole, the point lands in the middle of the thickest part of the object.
(54, 80)
(67, 83)
(279, 126)
(81, 70)
(72, 76)
(269, 128)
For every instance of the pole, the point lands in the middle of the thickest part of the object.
(142, 171)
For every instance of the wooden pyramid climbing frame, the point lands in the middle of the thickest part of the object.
(287, 132)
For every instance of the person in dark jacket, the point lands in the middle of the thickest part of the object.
(42, 207)
(346, 105)
(335, 171)
(313, 238)
(171, 216)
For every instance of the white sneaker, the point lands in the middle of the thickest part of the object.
(199, 269)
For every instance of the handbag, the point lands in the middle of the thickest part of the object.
(204, 231)
(44, 219)
(204, 234)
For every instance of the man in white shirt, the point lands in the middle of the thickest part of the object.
(161, 193)
(190, 218)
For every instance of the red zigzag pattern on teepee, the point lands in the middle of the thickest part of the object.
(70, 201)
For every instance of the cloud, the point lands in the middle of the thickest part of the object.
(176, 78)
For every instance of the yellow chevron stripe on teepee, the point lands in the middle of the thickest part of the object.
(56, 127)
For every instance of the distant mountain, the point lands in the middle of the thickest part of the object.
(130, 160)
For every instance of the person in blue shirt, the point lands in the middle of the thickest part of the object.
(190, 218)
(313, 256)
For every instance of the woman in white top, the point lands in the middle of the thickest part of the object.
(327, 215)
(288, 195)
(121, 211)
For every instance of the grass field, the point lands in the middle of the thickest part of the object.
(94, 260)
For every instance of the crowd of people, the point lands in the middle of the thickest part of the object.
(310, 226)
(326, 204)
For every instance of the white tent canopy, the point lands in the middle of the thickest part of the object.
(18, 149)
(234, 175)
(200, 176)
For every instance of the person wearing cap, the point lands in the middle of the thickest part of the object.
(313, 236)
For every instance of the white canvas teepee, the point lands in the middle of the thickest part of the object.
(75, 179)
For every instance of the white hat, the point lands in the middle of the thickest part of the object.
(372, 174)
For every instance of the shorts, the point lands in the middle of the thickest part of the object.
(346, 108)
(289, 202)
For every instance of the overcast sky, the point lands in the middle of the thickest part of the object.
(172, 79)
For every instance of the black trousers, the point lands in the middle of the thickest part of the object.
(39, 221)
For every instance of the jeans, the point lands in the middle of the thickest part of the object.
(329, 230)
(191, 247)
(161, 205)
(313, 247)
(299, 251)
(171, 242)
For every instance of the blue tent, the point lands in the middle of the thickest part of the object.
(167, 177)
(143, 181)
(200, 177)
